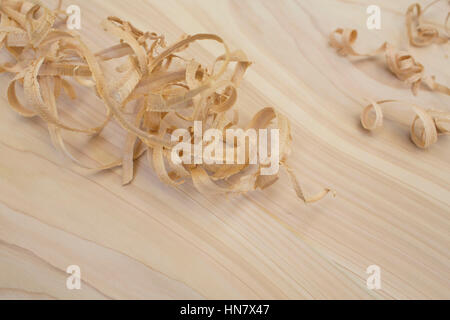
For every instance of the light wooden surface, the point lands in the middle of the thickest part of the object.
(147, 240)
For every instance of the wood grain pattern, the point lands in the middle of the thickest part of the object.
(147, 240)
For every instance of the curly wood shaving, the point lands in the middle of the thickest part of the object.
(420, 34)
(344, 39)
(50, 61)
(425, 128)
(400, 63)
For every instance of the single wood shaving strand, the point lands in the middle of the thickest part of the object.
(400, 63)
(425, 128)
(421, 34)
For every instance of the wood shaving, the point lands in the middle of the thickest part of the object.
(400, 63)
(421, 34)
(51, 61)
(425, 128)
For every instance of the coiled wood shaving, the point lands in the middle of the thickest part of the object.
(421, 34)
(400, 63)
(425, 128)
(48, 59)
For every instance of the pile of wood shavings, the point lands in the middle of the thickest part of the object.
(49, 59)
(428, 124)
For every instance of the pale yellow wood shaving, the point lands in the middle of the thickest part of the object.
(421, 34)
(400, 63)
(425, 128)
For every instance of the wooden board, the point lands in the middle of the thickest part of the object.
(147, 240)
